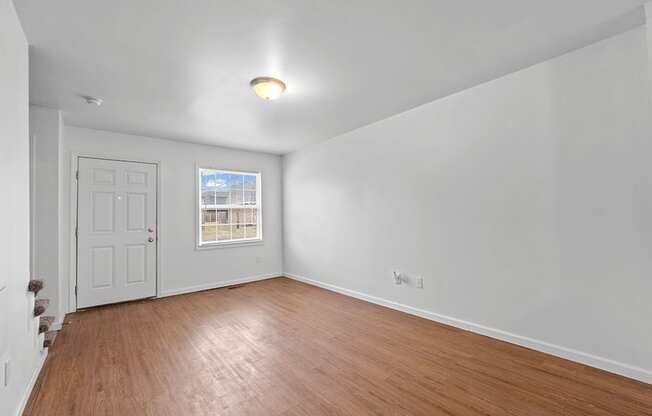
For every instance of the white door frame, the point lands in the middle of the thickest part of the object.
(74, 165)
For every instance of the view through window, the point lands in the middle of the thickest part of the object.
(229, 206)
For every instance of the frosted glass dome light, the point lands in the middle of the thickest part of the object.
(267, 88)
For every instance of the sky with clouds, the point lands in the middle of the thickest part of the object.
(212, 180)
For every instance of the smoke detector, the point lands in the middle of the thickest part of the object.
(92, 100)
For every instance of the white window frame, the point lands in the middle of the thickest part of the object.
(227, 243)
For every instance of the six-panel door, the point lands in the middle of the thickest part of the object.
(116, 217)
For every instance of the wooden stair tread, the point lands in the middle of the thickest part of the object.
(48, 340)
(40, 305)
(35, 285)
(45, 322)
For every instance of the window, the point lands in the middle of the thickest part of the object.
(229, 207)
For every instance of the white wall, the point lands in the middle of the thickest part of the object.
(524, 203)
(19, 343)
(46, 146)
(184, 268)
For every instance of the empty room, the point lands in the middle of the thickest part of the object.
(285, 207)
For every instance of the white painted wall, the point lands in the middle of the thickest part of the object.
(183, 267)
(524, 202)
(19, 342)
(45, 125)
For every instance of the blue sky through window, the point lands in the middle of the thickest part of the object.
(212, 180)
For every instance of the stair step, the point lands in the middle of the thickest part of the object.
(49, 338)
(44, 323)
(35, 285)
(40, 305)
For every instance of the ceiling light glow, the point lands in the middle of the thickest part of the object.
(267, 88)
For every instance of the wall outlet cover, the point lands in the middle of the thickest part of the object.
(398, 277)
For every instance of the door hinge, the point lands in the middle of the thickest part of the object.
(77, 175)
(76, 232)
(75, 290)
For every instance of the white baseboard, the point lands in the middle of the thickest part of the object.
(591, 360)
(56, 326)
(32, 382)
(198, 288)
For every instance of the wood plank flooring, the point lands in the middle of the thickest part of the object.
(279, 347)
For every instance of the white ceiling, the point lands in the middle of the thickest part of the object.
(180, 69)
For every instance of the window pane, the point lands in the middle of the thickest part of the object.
(251, 231)
(249, 216)
(237, 215)
(207, 197)
(249, 197)
(222, 198)
(235, 189)
(249, 182)
(223, 216)
(208, 233)
(223, 232)
(214, 188)
(238, 231)
(208, 216)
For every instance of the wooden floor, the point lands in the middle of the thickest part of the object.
(279, 347)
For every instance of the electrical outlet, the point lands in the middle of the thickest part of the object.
(420, 282)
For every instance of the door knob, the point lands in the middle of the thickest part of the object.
(150, 230)
(151, 239)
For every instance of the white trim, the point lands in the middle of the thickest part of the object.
(591, 360)
(231, 244)
(72, 269)
(32, 217)
(199, 288)
(72, 260)
(32, 382)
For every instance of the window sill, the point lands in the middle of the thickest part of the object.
(228, 244)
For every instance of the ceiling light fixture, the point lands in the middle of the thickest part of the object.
(267, 88)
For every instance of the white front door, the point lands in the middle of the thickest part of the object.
(116, 220)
